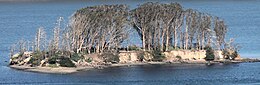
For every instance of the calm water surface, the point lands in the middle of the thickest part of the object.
(21, 19)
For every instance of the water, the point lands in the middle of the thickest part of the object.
(245, 73)
(21, 19)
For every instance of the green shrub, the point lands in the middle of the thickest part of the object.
(66, 62)
(63, 61)
(76, 57)
(140, 56)
(157, 55)
(209, 54)
(36, 58)
(34, 61)
(52, 60)
(179, 57)
(89, 60)
(230, 54)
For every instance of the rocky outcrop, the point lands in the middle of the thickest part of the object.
(131, 56)
(20, 59)
(186, 54)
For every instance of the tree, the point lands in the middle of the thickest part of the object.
(231, 50)
(141, 17)
(207, 33)
(101, 27)
(40, 40)
(209, 54)
(157, 24)
(220, 29)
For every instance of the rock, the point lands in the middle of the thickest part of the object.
(238, 57)
(185, 54)
(43, 63)
(27, 53)
(130, 56)
(16, 55)
(147, 56)
(27, 60)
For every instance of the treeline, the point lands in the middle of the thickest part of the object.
(102, 28)
(161, 27)
(168, 26)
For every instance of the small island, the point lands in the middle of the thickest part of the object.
(99, 36)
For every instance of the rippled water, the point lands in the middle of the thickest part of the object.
(21, 19)
(245, 73)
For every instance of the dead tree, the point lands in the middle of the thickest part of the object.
(220, 30)
(101, 27)
(40, 40)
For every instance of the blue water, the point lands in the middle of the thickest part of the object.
(21, 19)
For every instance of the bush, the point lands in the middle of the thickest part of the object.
(63, 61)
(66, 62)
(179, 57)
(157, 56)
(209, 54)
(230, 54)
(34, 62)
(36, 58)
(52, 60)
(89, 60)
(76, 57)
(110, 57)
(140, 56)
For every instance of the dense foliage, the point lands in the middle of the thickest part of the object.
(209, 54)
(157, 55)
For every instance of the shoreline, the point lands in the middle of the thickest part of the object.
(51, 70)
(68, 70)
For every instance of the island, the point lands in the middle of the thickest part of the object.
(97, 37)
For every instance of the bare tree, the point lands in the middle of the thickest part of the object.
(40, 40)
(220, 30)
(101, 27)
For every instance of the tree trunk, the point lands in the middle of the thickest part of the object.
(198, 42)
(203, 40)
(143, 40)
(167, 40)
(175, 38)
(162, 38)
(186, 38)
(181, 40)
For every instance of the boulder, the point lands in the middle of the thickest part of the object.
(147, 56)
(43, 63)
(15, 55)
(125, 57)
(27, 60)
